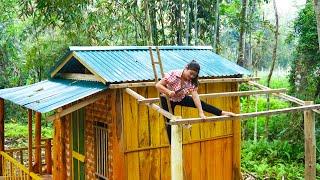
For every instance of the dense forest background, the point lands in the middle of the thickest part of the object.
(283, 51)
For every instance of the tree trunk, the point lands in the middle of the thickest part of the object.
(216, 27)
(274, 57)
(241, 58)
(178, 10)
(163, 41)
(195, 14)
(317, 11)
(147, 16)
(153, 20)
(187, 23)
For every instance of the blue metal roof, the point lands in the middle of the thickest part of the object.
(133, 64)
(51, 94)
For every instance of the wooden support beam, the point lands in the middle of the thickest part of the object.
(1, 131)
(30, 140)
(76, 107)
(225, 94)
(282, 95)
(59, 165)
(245, 115)
(48, 155)
(78, 76)
(176, 153)
(219, 80)
(153, 106)
(37, 153)
(309, 144)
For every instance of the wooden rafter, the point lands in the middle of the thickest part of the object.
(226, 94)
(78, 76)
(76, 107)
(148, 84)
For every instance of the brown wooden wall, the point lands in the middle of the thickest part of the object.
(210, 150)
(138, 145)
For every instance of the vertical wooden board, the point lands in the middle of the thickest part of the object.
(145, 165)
(204, 127)
(186, 132)
(144, 138)
(130, 113)
(210, 156)
(133, 172)
(143, 121)
(213, 126)
(218, 158)
(165, 167)
(187, 161)
(227, 161)
(203, 159)
(154, 122)
(196, 161)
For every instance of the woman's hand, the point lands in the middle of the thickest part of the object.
(202, 116)
(226, 113)
(171, 93)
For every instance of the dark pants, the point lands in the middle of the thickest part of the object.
(188, 102)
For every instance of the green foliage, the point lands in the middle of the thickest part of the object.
(274, 159)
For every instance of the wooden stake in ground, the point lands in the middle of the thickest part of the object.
(309, 144)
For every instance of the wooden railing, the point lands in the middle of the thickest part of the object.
(21, 155)
(12, 169)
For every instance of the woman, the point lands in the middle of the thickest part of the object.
(178, 84)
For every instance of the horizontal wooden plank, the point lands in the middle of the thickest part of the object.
(226, 94)
(144, 84)
(244, 115)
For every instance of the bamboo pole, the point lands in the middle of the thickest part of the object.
(226, 94)
(245, 115)
(1, 132)
(283, 96)
(153, 106)
(309, 144)
(219, 80)
(37, 159)
(30, 140)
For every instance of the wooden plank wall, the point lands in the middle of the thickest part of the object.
(207, 150)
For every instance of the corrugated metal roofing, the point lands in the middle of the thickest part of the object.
(50, 94)
(133, 64)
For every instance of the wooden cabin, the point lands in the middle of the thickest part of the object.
(102, 132)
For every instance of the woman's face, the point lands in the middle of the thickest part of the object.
(189, 74)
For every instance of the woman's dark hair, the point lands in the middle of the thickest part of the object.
(194, 65)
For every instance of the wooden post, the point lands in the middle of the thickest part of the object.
(1, 131)
(37, 159)
(30, 140)
(309, 144)
(176, 153)
(236, 143)
(48, 156)
(59, 164)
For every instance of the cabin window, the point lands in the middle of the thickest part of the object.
(101, 150)
(78, 147)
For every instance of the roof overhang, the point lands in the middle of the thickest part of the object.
(51, 94)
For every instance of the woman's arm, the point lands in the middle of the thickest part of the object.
(197, 102)
(161, 86)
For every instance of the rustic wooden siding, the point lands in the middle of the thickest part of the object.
(208, 149)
